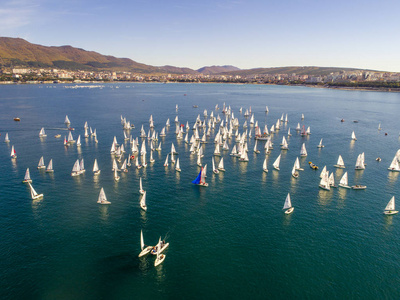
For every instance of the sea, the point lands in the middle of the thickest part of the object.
(230, 240)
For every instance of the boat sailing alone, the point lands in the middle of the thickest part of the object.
(390, 208)
(288, 205)
(102, 198)
(34, 194)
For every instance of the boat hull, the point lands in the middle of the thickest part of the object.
(360, 187)
(145, 251)
(159, 260)
(339, 166)
(390, 212)
(289, 211)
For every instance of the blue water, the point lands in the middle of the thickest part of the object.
(228, 240)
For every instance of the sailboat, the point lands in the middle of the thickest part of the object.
(41, 163)
(340, 163)
(303, 151)
(324, 182)
(353, 136)
(42, 133)
(96, 170)
(70, 138)
(116, 177)
(243, 156)
(288, 205)
(27, 177)
(145, 249)
(200, 180)
(67, 121)
(102, 198)
(143, 202)
(199, 159)
(221, 165)
(213, 166)
(394, 166)
(13, 152)
(276, 163)
(50, 167)
(159, 248)
(78, 142)
(297, 165)
(344, 181)
(160, 257)
(320, 144)
(255, 147)
(34, 194)
(295, 174)
(379, 128)
(166, 161)
(82, 167)
(123, 167)
(284, 144)
(6, 139)
(331, 180)
(177, 167)
(360, 162)
(265, 168)
(76, 169)
(141, 190)
(390, 208)
(216, 151)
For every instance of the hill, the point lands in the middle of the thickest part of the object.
(217, 69)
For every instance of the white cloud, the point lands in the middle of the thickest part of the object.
(15, 14)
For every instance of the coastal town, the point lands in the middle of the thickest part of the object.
(344, 78)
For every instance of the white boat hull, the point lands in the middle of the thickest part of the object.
(360, 187)
(159, 260)
(289, 211)
(145, 251)
(339, 166)
(154, 252)
(390, 212)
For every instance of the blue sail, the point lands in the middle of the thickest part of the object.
(197, 180)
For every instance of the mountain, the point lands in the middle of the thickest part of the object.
(217, 69)
(18, 52)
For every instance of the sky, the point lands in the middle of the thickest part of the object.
(246, 34)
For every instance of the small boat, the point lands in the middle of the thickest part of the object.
(355, 121)
(288, 205)
(360, 162)
(6, 139)
(378, 159)
(324, 182)
(342, 120)
(394, 166)
(178, 168)
(303, 151)
(42, 133)
(379, 126)
(96, 170)
(297, 165)
(320, 144)
(295, 174)
(34, 194)
(221, 165)
(390, 208)
(13, 152)
(57, 136)
(78, 142)
(166, 161)
(255, 147)
(116, 177)
(160, 257)
(50, 167)
(340, 163)
(312, 166)
(265, 168)
(344, 181)
(41, 164)
(359, 187)
(145, 249)
(17, 119)
(76, 169)
(201, 178)
(143, 202)
(353, 136)
(276, 163)
(67, 121)
(27, 177)
(159, 248)
(102, 198)
(215, 170)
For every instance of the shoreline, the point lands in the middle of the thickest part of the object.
(333, 87)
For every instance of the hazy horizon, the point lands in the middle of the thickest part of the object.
(244, 34)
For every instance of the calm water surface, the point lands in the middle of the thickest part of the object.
(230, 240)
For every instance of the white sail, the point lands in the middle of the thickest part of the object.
(143, 202)
(324, 182)
(303, 151)
(123, 167)
(216, 151)
(42, 133)
(353, 136)
(340, 162)
(41, 164)
(265, 165)
(115, 166)
(344, 181)
(70, 138)
(102, 197)
(297, 164)
(391, 205)
(277, 162)
(141, 240)
(116, 177)
(360, 162)
(166, 161)
(394, 166)
(50, 166)
(221, 164)
(323, 172)
(95, 166)
(78, 142)
(82, 165)
(320, 144)
(27, 177)
(331, 180)
(34, 194)
(177, 167)
(288, 203)
(6, 139)
(76, 167)
(67, 121)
